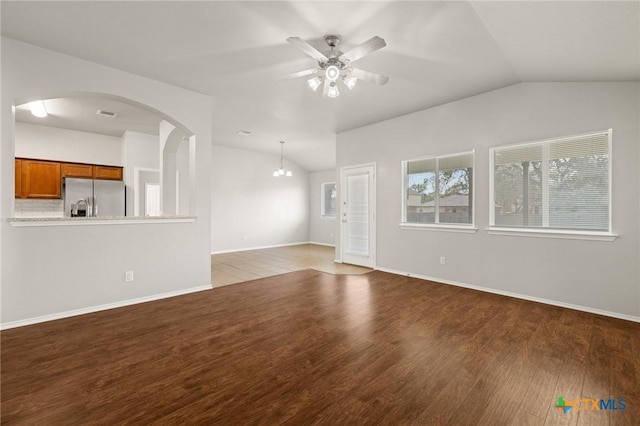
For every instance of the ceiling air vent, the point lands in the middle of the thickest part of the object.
(107, 113)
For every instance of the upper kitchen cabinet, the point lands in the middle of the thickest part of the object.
(43, 178)
(91, 171)
(107, 172)
(18, 178)
(77, 170)
(40, 179)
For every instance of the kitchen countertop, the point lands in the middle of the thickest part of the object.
(99, 220)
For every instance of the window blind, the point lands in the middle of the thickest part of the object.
(555, 184)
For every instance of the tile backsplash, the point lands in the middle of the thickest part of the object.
(39, 208)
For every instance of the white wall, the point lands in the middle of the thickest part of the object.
(139, 150)
(50, 143)
(593, 274)
(322, 231)
(250, 208)
(50, 270)
(182, 167)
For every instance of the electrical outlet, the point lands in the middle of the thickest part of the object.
(128, 276)
(442, 260)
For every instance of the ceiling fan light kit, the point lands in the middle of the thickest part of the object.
(350, 81)
(314, 83)
(334, 63)
(332, 73)
(333, 91)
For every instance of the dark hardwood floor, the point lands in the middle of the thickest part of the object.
(314, 348)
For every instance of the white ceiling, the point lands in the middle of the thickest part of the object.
(81, 113)
(436, 52)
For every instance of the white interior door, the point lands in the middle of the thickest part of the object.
(152, 199)
(357, 215)
(141, 177)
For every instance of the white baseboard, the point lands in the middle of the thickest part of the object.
(272, 246)
(91, 309)
(321, 244)
(261, 247)
(516, 295)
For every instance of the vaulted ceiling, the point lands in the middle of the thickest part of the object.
(236, 51)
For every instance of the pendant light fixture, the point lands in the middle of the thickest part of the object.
(281, 171)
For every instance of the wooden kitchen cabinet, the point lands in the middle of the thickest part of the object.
(91, 171)
(40, 179)
(76, 170)
(107, 172)
(18, 178)
(43, 178)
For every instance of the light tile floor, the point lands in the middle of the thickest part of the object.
(231, 268)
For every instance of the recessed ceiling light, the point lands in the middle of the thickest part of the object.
(245, 132)
(38, 109)
(107, 113)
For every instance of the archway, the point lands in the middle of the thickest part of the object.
(169, 149)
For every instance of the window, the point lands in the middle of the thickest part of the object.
(328, 200)
(439, 190)
(558, 184)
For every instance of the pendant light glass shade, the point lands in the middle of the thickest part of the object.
(314, 83)
(333, 90)
(350, 82)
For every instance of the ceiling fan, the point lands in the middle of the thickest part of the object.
(333, 65)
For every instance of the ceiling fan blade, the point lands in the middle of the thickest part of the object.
(371, 77)
(325, 88)
(369, 46)
(308, 49)
(299, 74)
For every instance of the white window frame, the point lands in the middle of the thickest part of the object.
(324, 216)
(450, 227)
(549, 232)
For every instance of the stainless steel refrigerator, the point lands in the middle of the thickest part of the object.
(93, 197)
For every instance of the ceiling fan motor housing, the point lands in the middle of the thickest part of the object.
(332, 40)
(333, 54)
(331, 61)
